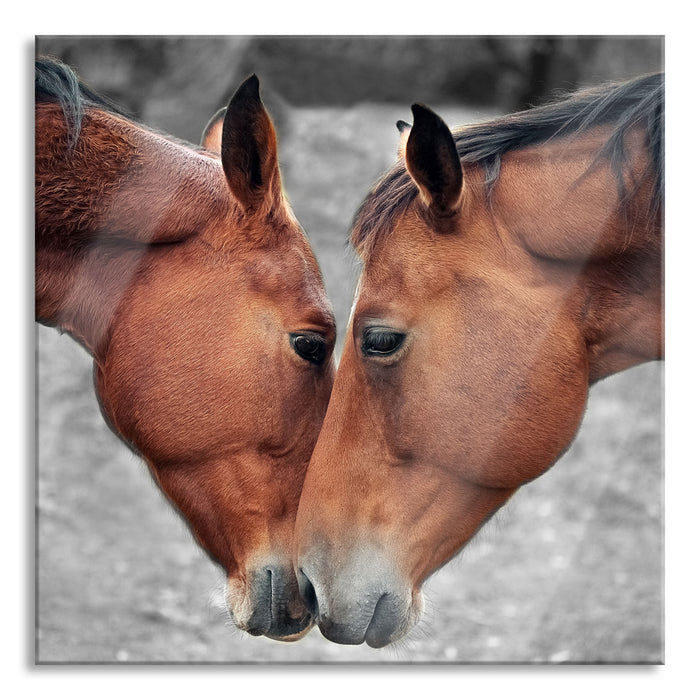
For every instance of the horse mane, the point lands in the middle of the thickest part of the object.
(55, 82)
(74, 193)
(638, 102)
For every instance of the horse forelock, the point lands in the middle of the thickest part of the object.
(623, 106)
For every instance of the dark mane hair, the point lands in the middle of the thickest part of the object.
(56, 82)
(638, 102)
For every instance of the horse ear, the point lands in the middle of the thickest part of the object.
(433, 162)
(249, 147)
(404, 130)
(211, 136)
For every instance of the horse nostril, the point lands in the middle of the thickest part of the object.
(308, 593)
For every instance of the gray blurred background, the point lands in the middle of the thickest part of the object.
(570, 571)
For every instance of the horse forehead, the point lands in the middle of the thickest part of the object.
(414, 268)
(289, 277)
(291, 265)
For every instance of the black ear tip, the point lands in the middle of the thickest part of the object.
(401, 125)
(425, 118)
(249, 88)
(420, 111)
(252, 84)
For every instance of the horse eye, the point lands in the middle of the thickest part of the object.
(309, 346)
(377, 341)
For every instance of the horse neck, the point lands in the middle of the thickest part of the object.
(603, 256)
(100, 209)
(623, 308)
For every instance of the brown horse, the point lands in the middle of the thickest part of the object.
(507, 267)
(193, 287)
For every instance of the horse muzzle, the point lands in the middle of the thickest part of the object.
(367, 602)
(268, 603)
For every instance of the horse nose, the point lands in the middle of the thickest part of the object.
(384, 612)
(276, 610)
(363, 602)
(308, 594)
